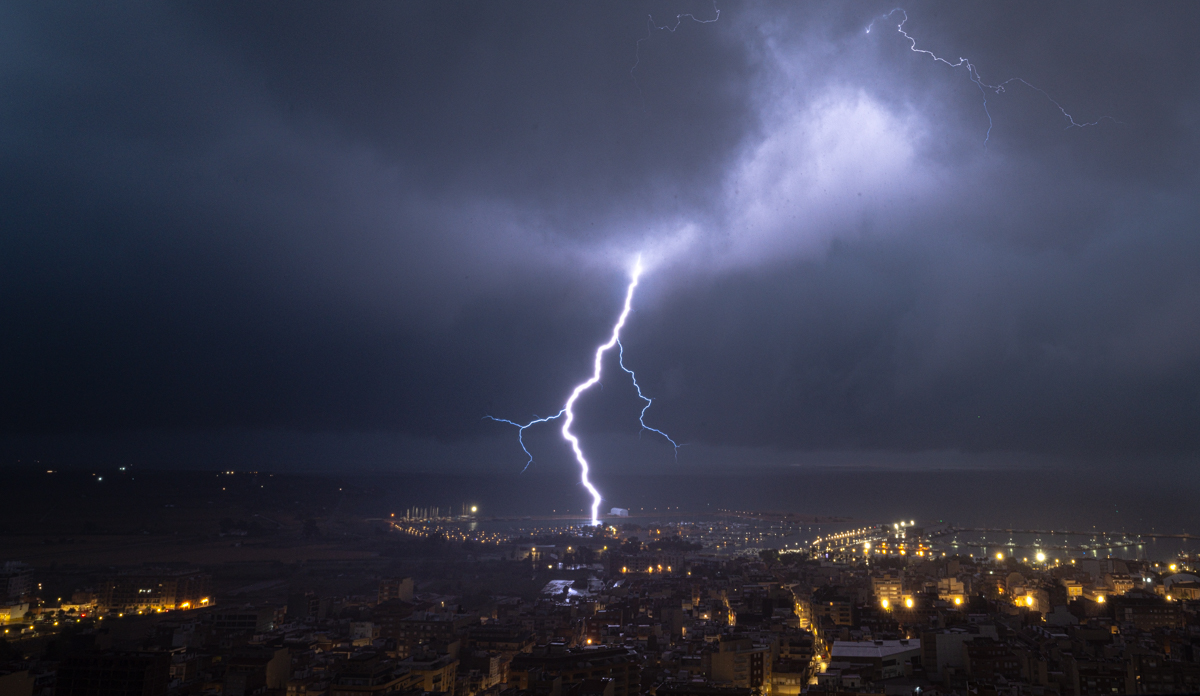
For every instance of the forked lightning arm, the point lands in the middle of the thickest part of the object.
(983, 86)
(521, 431)
(643, 397)
(597, 365)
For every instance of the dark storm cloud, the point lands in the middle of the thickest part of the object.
(375, 223)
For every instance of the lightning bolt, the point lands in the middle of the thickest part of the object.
(597, 365)
(984, 87)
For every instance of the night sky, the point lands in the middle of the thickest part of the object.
(335, 236)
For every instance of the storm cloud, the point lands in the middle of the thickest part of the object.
(340, 234)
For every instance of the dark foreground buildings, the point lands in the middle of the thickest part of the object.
(632, 619)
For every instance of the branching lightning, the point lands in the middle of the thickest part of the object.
(521, 431)
(651, 27)
(597, 365)
(643, 397)
(975, 77)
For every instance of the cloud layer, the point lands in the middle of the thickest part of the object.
(374, 224)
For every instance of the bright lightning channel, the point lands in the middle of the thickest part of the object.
(597, 364)
(973, 72)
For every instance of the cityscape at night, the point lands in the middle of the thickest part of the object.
(662, 348)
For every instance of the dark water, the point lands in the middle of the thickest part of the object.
(1110, 501)
(1113, 502)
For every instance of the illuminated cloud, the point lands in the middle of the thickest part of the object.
(399, 219)
(833, 167)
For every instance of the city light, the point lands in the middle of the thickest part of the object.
(745, 544)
